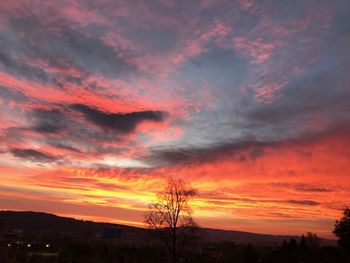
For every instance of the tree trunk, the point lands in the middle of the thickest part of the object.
(174, 256)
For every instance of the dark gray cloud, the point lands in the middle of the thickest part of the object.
(238, 150)
(62, 145)
(49, 121)
(8, 94)
(302, 187)
(318, 94)
(121, 122)
(33, 155)
(219, 199)
(302, 202)
(60, 46)
(61, 130)
(312, 188)
(12, 66)
(241, 151)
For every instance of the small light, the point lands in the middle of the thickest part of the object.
(47, 245)
(9, 245)
(28, 245)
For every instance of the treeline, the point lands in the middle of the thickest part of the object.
(307, 250)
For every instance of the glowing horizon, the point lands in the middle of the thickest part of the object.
(249, 101)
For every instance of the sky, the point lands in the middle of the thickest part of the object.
(249, 101)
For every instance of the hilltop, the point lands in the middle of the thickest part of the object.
(32, 223)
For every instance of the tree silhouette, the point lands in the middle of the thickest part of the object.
(342, 230)
(170, 217)
(312, 241)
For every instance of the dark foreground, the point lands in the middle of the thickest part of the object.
(100, 251)
(37, 237)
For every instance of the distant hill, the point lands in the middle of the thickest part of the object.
(35, 222)
(241, 237)
(39, 221)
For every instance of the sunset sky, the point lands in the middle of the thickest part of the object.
(249, 101)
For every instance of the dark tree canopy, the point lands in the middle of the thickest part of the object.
(342, 230)
(171, 216)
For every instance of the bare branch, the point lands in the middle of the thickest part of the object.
(170, 216)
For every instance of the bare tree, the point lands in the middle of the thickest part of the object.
(170, 217)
